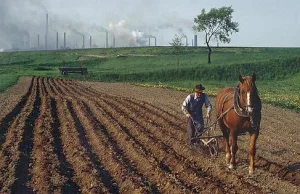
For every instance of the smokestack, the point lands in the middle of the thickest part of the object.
(38, 43)
(106, 44)
(90, 41)
(149, 41)
(65, 41)
(56, 40)
(192, 42)
(28, 41)
(195, 40)
(114, 41)
(83, 42)
(46, 34)
(154, 41)
(46, 41)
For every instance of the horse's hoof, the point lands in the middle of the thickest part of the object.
(231, 166)
(251, 172)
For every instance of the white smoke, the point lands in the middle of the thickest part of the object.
(125, 36)
(21, 21)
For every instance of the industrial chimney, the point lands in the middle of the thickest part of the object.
(46, 34)
(46, 42)
(186, 41)
(83, 42)
(28, 41)
(195, 40)
(56, 40)
(90, 41)
(106, 44)
(154, 41)
(114, 41)
(65, 41)
(38, 41)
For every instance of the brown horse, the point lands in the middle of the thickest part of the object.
(238, 111)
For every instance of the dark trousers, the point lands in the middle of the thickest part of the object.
(192, 127)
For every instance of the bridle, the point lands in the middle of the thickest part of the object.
(243, 111)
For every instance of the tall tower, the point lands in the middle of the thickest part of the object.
(56, 40)
(195, 40)
(65, 41)
(46, 34)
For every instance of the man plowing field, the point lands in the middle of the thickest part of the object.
(192, 108)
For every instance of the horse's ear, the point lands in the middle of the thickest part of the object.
(241, 78)
(253, 77)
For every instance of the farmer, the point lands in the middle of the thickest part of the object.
(192, 108)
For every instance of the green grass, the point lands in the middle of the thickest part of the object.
(277, 69)
(7, 80)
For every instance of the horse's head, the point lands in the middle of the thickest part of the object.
(248, 92)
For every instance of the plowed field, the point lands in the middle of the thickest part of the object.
(65, 136)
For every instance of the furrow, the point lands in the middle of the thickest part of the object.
(9, 153)
(73, 92)
(143, 163)
(65, 169)
(112, 159)
(22, 175)
(158, 163)
(45, 175)
(9, 118)
(85, 174)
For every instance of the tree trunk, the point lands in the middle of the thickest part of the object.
(209, 53)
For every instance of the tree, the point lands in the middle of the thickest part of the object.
(176, 41)
(217, 23)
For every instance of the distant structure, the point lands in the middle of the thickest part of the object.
(49, 41)
(46, 34)
(106, 43)
(65, 40)
(56, 40)
(153, 37)
(91, 42)
(83, 41)
(195, 40)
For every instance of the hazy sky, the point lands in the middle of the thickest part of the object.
(270, 23)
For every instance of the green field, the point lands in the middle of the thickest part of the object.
(277, 69)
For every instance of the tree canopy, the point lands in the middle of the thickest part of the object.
(217, 24)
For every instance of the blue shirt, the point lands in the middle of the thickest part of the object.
(193, 105)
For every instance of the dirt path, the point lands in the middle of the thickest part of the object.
(83, 137)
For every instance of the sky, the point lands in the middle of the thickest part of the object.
(262, 23)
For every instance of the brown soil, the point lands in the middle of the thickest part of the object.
(60, 136)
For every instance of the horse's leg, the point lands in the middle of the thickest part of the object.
(227, 146)
(252, 151)
(234, 148)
